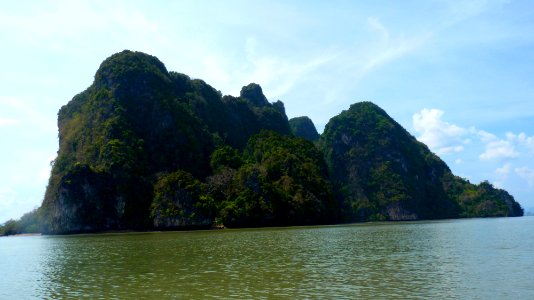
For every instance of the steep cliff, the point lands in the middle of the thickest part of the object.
(381, 172)
(303, 127)
(134, 124)
(144, 148)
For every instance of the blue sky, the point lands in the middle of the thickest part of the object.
(457, 75)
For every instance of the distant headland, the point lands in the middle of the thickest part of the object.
(143, 148)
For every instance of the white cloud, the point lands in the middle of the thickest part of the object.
(390, 47)
(445, 138)
(452, 149)
(526, 173)
(44, 23)
(46, 168)
(442, 137)
(325, 64)
(27, 115)
(502, 175)
(499, 149)
(522, 139)
(14, 203)
(6, 196)
(375, 24)
(505, 148)
(504, 170)
(484, 136)
(277, 75)
(8, 122)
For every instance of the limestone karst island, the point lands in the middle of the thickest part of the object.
(143, 148)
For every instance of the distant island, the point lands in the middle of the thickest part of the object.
(147, 149)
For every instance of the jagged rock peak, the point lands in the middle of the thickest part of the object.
(254, 94)
(279, 105)
(304, 127)
(131, 66)
(367, 106)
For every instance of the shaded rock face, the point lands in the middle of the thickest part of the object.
(254, 94)
(135, 121)
(303, 127)
(125, 127)
(514, 208)
(396, 212)
(380, 171)
(85, 202)
(280, 107)
(144, 148)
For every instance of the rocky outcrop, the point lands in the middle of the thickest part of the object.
(144, 148)
(303, 127)
(380, 171)
(134, 123)
(254, 94)
(85, 202)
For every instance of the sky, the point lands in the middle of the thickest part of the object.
(458, 75)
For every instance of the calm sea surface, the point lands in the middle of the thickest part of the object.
(465, 259)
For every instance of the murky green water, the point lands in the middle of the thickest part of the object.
(466, 259)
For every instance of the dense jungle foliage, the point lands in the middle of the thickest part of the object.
(143, 148)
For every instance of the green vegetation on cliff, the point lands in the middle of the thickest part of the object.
(303, 127)
(144, 148)
(381, 172)
(180, 202)
(482, 200)
(283, 181)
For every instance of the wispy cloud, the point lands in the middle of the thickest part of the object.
(526, 173)
(522, 139)
(316, 60)
(26, 115)
(44, 22)
(15, 202)
(8, 122)
(390, 48)
(504, 170)
(278, 74)
(375, 48)
(484, 136)
(502, 174)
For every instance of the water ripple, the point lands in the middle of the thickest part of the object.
(477, 259)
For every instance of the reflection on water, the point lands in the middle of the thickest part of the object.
(479, 258)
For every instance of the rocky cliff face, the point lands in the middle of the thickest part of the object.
(380, 171)
(144, 148)
(254, 94)
(134, 123)
(303, 127)
(85, 202)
